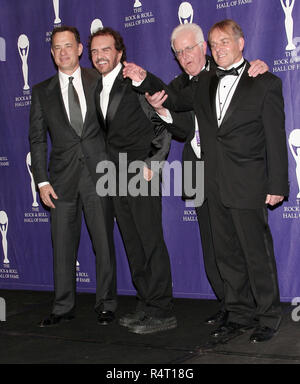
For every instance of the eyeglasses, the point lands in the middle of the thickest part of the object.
(180, 53)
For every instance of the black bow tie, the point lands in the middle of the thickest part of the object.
(194, 79)
(233, 71)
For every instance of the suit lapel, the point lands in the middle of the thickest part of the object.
(89, 86)
(115, 97)
(97, 100)
(213, 86)
(56, 103)
(239, 95)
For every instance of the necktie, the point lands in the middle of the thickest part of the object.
(233, 71)
(74, 108)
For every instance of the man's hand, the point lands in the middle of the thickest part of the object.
(148, 174)
(156, 101)
(45, 192)
(134, 72)
(257, 67)
(274, 199)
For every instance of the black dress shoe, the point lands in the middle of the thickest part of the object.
(262, 334)
(230, 329)
(218, 318)
(105, 317)
(152, 325)
(131, 318)
(53, 320)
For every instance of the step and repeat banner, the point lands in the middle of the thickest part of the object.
(272, 31)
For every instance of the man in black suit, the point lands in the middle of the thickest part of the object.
(64, 105)
(189, 46)
(131, 132)
(244, 149)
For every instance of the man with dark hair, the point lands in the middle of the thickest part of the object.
(130, 130)
(64, 106)
(246, 168)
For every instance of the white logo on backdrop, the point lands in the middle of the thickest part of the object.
(2, 49)
(185, 12)
(23, 48)
(96, 24)
(57, 20)
(294, 143)
(139, 16)
(33, 190)
(287, 6)
(3, 230)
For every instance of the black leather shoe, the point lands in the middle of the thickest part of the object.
(131, 318)
(105, 317)
(218, 318)
(262, 334)
(53, 320)
(230, 329)
(152, 325)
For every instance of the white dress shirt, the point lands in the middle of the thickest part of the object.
(226, 88)
(107, 83)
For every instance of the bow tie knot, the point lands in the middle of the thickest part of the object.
(233, 71)
(222, 72)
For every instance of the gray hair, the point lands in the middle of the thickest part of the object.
(188, 27)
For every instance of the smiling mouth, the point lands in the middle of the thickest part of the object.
(101, 62)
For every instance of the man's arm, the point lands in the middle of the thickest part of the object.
(150, 84)
(274, 127)
(38, 149)
(162, 144)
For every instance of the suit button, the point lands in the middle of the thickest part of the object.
(219, 138)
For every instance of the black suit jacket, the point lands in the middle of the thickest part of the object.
(247, 154)
(128, 128)
(48, 113)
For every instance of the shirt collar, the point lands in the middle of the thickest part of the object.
(109, 79)
(64, 78)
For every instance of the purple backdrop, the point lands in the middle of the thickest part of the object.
(272, 29)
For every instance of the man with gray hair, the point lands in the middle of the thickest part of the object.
(189, 46)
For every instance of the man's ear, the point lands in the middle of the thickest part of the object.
(80, 49)
(241, 43)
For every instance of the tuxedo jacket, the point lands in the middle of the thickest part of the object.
(247, 155)
(68, 150)
(129, 129)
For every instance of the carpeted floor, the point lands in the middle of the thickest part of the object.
(82, 341)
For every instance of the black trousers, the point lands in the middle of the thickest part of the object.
(140, 222)
(209, 256)
(245, 257)
(66, 221)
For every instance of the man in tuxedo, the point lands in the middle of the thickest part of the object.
(250, 171)
(189, 47)
(64, 106)
(244, 148)
(130, 131)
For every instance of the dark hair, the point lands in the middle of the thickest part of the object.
(107, 31)
(226, 25)
(66, 28)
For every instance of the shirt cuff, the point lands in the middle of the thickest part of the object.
(167, 119)
(137, 83)
(40, 185)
